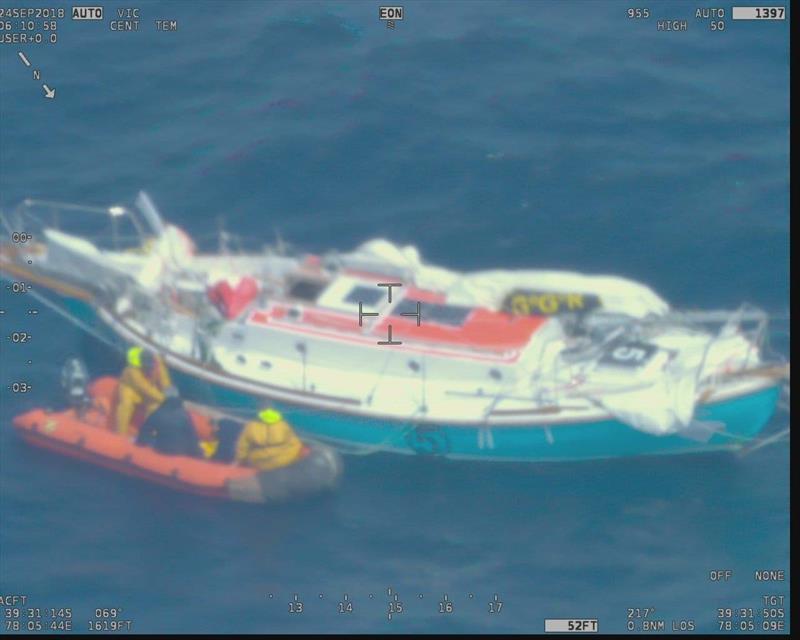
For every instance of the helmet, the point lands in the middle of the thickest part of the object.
(135, 356)
(140, 358)
(270, 416)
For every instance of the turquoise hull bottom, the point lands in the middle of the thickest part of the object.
(744, 417)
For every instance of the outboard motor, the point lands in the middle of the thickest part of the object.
(74, 380)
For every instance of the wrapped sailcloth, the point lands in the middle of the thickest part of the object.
(660, 398)
(490, 288)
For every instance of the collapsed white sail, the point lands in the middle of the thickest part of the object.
(489, 288)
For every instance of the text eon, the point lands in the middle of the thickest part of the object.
(390, 13)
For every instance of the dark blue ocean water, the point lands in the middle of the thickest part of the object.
(489, 134)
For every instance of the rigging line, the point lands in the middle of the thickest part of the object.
(352, 449)
(380, 377)
(78, 323)
(734, 320)
(777, 437)
(503, 393)
(215, 413)
(355, 449)
(231, 413)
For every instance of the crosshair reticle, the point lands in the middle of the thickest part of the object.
(362, 314)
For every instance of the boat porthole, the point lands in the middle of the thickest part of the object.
(266, 364)
(241, 359)
(495, 374)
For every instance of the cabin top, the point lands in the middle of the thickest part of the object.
(357, 305)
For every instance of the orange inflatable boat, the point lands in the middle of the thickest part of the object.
(87, 436)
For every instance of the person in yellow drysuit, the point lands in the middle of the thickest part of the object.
(267, 443)
(145, 383)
